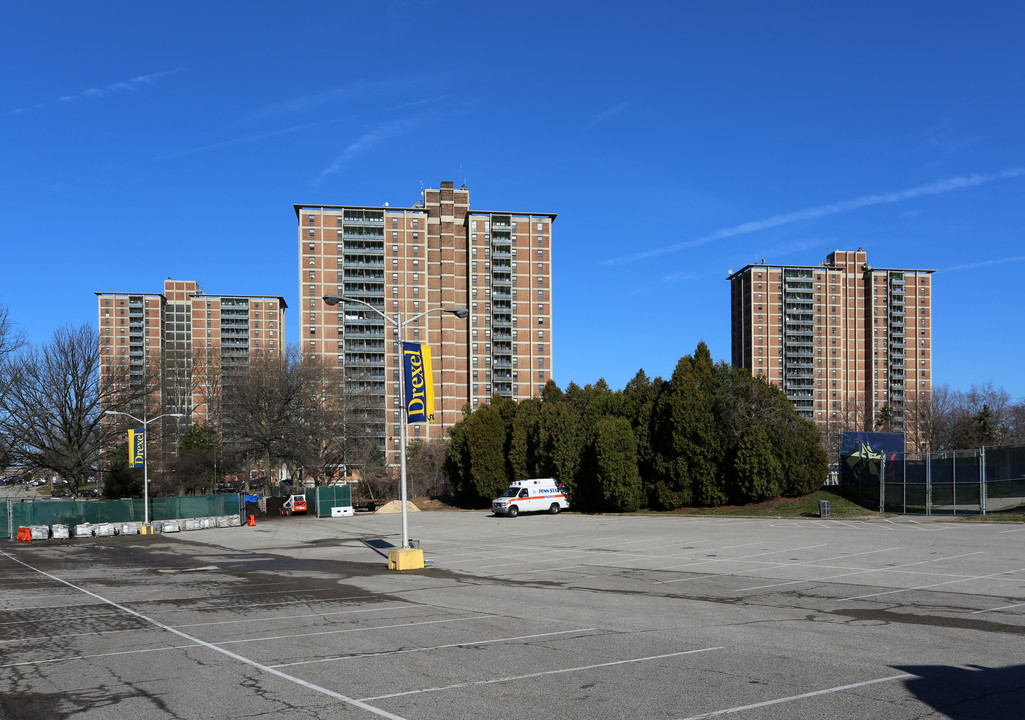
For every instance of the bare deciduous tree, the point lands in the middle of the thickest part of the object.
(10, 341)
(958, 417)
(294, 411)
(53, 408)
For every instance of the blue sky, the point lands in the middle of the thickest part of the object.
(677, 141)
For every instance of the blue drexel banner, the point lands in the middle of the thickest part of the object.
(419, 385)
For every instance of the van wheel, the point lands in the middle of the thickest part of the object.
(554, 509)
(513, 511)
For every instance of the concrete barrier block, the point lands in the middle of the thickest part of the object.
(60, 532)
(83, 530)
(405, 559)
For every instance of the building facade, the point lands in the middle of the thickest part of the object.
(181, 346)
(405, 261)
(849, 344)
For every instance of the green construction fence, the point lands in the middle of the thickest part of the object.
(22, 513)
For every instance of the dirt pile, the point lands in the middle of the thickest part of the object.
(395, 506)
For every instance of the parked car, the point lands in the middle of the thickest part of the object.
(89, 493)
(58, 493)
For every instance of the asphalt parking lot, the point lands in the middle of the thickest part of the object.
(567, 616)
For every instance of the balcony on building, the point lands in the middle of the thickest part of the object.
(363, 217)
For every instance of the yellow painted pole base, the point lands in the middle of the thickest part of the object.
(146, 529)
(405, 559)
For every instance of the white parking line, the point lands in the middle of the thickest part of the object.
(731, 559)
(810, 562)
(219, 622)
(893, 568)
(926, 587)
(1002, 607)
(472, 643)
(512, 678)
(841, 688)
(68, 658)
(353, 630)
(252, 663)
(620, 558)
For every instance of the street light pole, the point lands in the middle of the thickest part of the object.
(460, 313)
(145, 453)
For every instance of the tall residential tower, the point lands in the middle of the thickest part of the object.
(407, 260)
(181, 347)
(849, 344)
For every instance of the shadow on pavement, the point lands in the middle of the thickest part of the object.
(971, 692)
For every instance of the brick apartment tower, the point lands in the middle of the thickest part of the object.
(849, 344)
(185, 343)
(406, 260)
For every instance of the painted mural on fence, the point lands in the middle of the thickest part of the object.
(864, 456)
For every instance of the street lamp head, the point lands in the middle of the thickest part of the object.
(111, 412)
(460, 313)
(333, 299)
(175, 415)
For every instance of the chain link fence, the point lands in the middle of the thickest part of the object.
(957, 482)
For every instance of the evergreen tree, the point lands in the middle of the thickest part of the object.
(561, 441)
(986, 432)
(456, 464)
(121, 481)
(756, 472)
(689, 448)
(615, 453)
(523, 443)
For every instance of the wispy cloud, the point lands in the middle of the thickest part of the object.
(95, 93)
(985, 263)
(603, 116)
(364, 144)
(251, 138)
(935, 188)
(257, 137)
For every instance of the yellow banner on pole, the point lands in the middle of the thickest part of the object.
(136, 448)
(418, 376)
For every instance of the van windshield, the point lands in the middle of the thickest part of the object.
(512, 492)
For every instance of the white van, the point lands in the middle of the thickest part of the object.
(540, 494)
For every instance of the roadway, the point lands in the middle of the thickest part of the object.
(567, 616)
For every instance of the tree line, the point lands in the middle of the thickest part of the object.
(277, 411)
(709, 435)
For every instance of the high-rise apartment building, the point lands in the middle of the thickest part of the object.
(849, 344)
(405, 261)
(179, 348)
